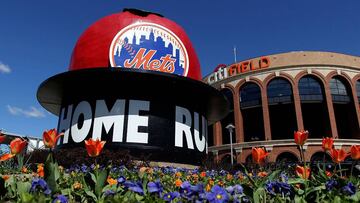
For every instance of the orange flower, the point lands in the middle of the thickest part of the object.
(327, 143)
(24, 169)
(211, 182)
(262, 174)
(50, 138)
(77, 185)
(94, 147)
(229, 177)
(338, 155)
(240, 176)
(2, 138)
(258, 155)
(16, 147)
(5, 177)
(111, 181)
(303, 172)
(355, 152)
(203, 174)
(328, 173)
(178, 182)
(300, 137)
(40, 170)
(207, 188)
(178, 174)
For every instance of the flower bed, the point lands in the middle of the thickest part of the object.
(49, 182)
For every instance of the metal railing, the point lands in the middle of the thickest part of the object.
(287, 142)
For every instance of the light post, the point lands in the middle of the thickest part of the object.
(231, 128)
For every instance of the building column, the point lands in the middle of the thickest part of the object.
(331, 112)
(239, 124)
(217, 134)
(356, 106)
(266, 115)
(298, 112)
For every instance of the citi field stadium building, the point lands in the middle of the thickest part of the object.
(273, 96)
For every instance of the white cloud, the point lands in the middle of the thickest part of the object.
(4, 68)
(32, 112)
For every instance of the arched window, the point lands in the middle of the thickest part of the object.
(344, 111)
(338, 90)
(286, 157)
(358, 90)
(279, 91)
(281, 109)
(313, 107)
(251, 110)
(250, 95)
(310, 89)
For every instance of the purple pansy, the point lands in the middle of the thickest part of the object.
(155, 187)
(349, 189)
(170, 196)
(217, 195)
(60, 199)
(135, 187)
(39, 184)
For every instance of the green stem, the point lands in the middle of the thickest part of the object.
(340, 170)
(324, 168)
(305, 167)
(247, 173)
(352, 167)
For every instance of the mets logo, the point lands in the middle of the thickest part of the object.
(149, 46)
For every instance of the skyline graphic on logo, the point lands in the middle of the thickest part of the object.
(150, 47)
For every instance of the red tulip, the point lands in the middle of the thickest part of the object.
(355, 152)
(50, 138)
(16, 147)
(258, 155)
(303, 172)
(301, 137)
(94, 147)
(327, 143)
(2, 138)
(338, 155)
(6, 157)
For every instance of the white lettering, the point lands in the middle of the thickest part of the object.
(64, 123)
(200, 143)
(108, 119)
(183, 126)
(134, 121)
(79, 134)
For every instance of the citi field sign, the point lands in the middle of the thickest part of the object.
(134, 80)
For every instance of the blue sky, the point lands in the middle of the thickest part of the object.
(37, 38)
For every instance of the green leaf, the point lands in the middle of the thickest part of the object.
(52, 173)
(321, 187)
(355, 197)
(259, 195)
(26, 197)
(100, 181)
(337, 199)
(93, 177)
(273, 175)
(138, 197)
(91, 194)
(299, 199)
(66, 191)
(23, 187)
